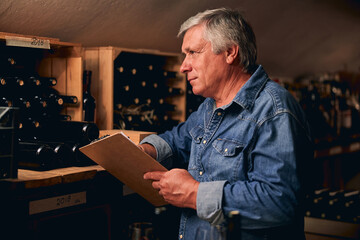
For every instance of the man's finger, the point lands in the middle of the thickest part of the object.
(156, 185)
(156, 175)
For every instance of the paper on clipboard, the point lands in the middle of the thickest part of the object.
(123, 159)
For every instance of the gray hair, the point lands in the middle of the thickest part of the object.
(225, 28)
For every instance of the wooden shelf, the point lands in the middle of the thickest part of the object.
(332, 229)
(338, 150)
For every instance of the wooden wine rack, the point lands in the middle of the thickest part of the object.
(100, 60)
(63, 61)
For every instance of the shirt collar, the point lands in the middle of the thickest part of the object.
(249, 91)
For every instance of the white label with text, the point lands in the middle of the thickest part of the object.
(27, 42)
(48, 204)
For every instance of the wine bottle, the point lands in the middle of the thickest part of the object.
(38, 105)
(15, 81)
(22, 103)
(79, 159)
(174, 91)
(164, 107)
(28, 129)
(170, 74)
(123, 97)
(2, 81)
(61, 99)
(351, 206)
(42, 81)
(233, 231)
(64, 156)
(56, 102)
(5, 102)
(162, 225)
(318, 203)
(88, 100)
(78, 131)
(35, 156)
(335, 203)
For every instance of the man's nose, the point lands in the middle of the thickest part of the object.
(185, 66)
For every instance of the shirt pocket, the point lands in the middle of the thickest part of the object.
(226, 159)
(227, 148)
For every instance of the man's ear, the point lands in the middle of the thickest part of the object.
(231, 54)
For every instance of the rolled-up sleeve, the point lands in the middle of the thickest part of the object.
(209, 201)
(163, 150)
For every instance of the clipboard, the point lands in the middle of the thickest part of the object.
(122, 158)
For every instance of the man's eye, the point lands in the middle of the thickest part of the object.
(191, 52)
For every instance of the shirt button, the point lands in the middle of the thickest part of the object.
(204, 141)
(201, 173)
(181, 236)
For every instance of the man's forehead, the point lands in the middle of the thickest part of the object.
(193, 39)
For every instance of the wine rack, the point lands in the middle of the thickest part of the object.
(42, 77)
(138, 90)
(62, 61)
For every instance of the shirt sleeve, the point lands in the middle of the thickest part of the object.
(209, 201)
(163, 150)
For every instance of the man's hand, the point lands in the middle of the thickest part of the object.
(149, 149)
(176, 186)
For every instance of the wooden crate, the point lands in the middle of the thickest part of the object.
(100, 60)
(63, 61)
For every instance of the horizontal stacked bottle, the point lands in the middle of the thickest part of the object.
(144, 93)
(336, 205)
(332, 105)
(47, 137)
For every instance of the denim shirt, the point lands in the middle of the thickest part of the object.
(248, 156)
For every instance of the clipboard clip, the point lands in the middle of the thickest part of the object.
(102, 137)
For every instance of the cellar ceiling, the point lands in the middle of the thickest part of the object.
(294, 37)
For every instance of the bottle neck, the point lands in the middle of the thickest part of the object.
(87, 81)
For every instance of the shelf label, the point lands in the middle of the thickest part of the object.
(48, 204)
(354, 147)
(27, 42)
(335, 150)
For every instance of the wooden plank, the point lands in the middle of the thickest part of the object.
(53, 41)
(74, 86)
(96, 167)
(3, 35)
(45, 67)
(74, 174)
(35, 179)
(310, 236)
(58, 70)
(332, 228)
(91, 62)
(106, 87)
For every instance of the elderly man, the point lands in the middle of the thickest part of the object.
(245, 147)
